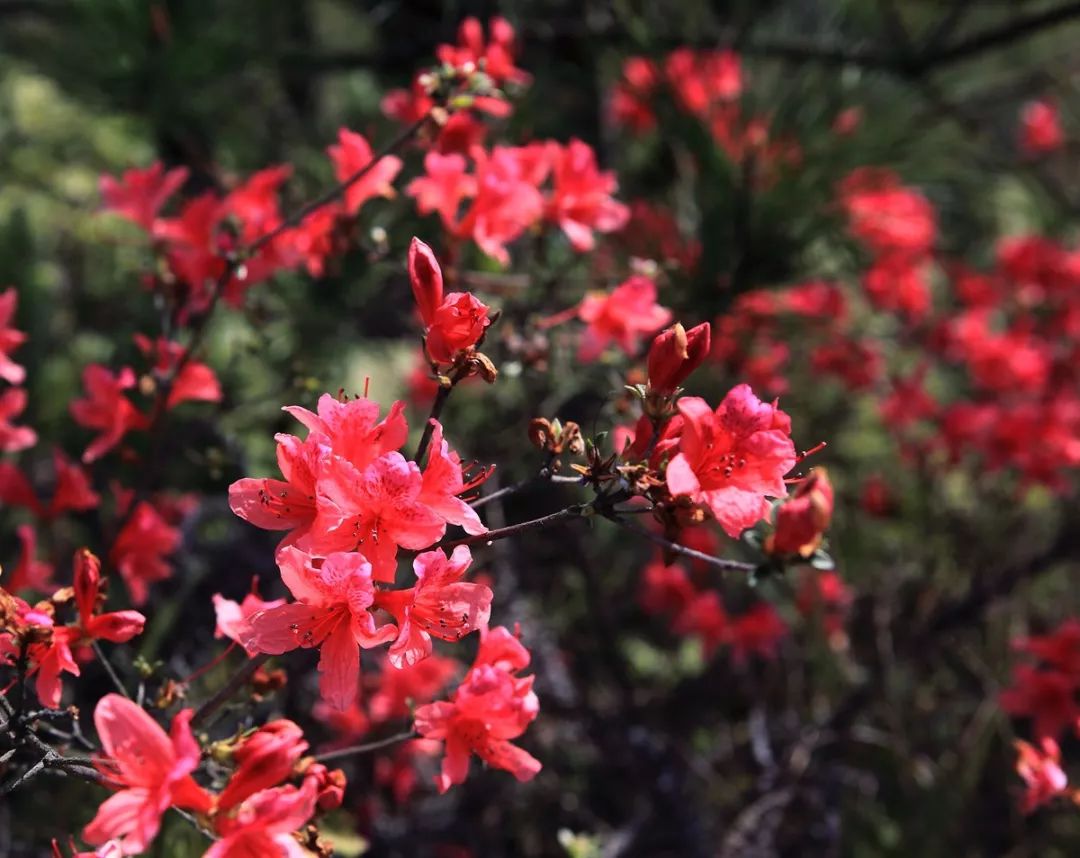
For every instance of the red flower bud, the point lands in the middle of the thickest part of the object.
(426, 278)
(802, 519)
(675, 353)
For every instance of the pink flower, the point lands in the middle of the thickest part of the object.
(375, 510)
(106, 409)
(440, 605)
(581, 200)
(1040, 767)
(151, 769)
(508, 200)
(490, 707)
(233, 617)
(623, 317)
(287, 504)
(263, 824)
(733, 459)
(10, 338)
(350, 155)
(331, 612)
(442, 484)
(140, 194)
(14, 438)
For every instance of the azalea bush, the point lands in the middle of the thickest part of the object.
(639, 433)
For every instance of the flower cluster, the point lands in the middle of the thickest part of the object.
(198, 244)
(1046, 693)
(32, 634)
(493, 197)
(256, 812)
(708, 85)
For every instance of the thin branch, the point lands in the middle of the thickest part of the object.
(366, 748)
(237, 681)
(674, 547)
(437, 406)
(109, 669)
(575, 511)
(1007, 33)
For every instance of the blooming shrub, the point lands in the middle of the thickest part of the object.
(569, 480)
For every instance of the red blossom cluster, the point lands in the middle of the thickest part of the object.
(493, 197)
(31, 633)
(708, 85)
(196, 245)
(1046, 693)
(255, 813)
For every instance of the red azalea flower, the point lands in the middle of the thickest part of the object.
(232, 618)
(141, 548)
(675, 354)
(140, 193)
(490, 707)
(14, 438)
(1040, 767)
(704, 617)
(374, 510)
(733, 459)
(73, 490)
(1048, 697)
(29, 573)
(264, 824)
(494, 56)
(1040, 128)
(10, 338)
(623, 316)
(440, 605)
(350, 155)
(151, 770)
(331, 612)
(445, 185)
(1060, 648)
(195, 381)
(664, 589)
(106, 409)
(803, 518)
(508, 200)
(758, 632)
(114, 626)
(581, 200)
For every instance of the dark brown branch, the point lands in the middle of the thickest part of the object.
(237, 681)
(575, 511)
(674, 547)
(366, 748)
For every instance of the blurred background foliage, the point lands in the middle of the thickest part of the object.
(649, 748)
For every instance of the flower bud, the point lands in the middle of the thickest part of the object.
(675, 353)
(801, 520)
(426, 278)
